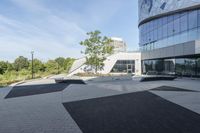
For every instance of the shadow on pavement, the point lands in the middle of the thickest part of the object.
(140, 112)
(169, 88)
(27, 90)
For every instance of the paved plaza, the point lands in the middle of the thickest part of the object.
(62, 111)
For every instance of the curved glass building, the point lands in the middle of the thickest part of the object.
(170, 36)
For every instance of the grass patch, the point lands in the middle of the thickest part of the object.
(13, 77)
(8, 80)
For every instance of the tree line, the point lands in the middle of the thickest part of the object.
(21, 68)
(55, 66)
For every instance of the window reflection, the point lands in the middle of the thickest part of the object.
(198, 67)
(170, 30)
(124, 66)
(187, 67)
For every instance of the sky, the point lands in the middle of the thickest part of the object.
(54, 28)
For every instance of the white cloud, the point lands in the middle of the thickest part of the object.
(50, 38)
(31, 5)
(51, 34)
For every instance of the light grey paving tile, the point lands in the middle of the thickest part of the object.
(3, 92)
(33, 114)
(81, 92)
(45, 112)
(189, 100)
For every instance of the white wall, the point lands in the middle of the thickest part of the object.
(111, 60)
(79, 66)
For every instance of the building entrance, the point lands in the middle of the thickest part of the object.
(129, 68)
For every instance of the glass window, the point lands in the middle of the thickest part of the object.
(170, 28)
(150, 66)
(143, 29)
(169, 66)
(151, 26)
(124, 66)
(160, 33)
(183, 22)
(170, 41)
(198, 33)
(148, 37)
(164, 31)
(155, 32)
(170, 18)
(192, 35)
(176, 39)
(198, 18)
(145, 38)
(159, 22)
(176, 16)
(164, 20)
(146, 29)
(155, 24)
(184, 37)
(192, 17)
(147, 66)
(180, 67)
(198, 67)
(140, 34)
(176, 29)
(189, 67)
(159, 66)
(141, 39)
(151, 36)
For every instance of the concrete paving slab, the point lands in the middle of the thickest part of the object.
(139, 112)
(80, 92)
(33, 114)
(190, 100)
(45, 112)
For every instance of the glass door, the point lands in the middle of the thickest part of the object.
(129, 68)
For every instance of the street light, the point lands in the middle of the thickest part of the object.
(58, 68)
(32, 53)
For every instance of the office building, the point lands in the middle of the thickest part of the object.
(170, 36)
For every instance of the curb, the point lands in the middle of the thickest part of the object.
(108, 79)
(18, 83)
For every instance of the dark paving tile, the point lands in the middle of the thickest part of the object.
(169, 88)
(140, 112)
(28, 90)
(157, 78)
(70, 81)
(19, 91)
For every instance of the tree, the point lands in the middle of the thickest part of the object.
(10, 66)
(3, 67)
(60, 61)
(51, 66)
(21, 63)
(96, 49)
(68, 63)
(37, 66)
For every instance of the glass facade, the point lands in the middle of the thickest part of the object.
(170, 30)
(187, 67)
(124, 66)
(159, 66)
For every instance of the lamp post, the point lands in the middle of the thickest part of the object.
(58, 68)
(32, 54)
